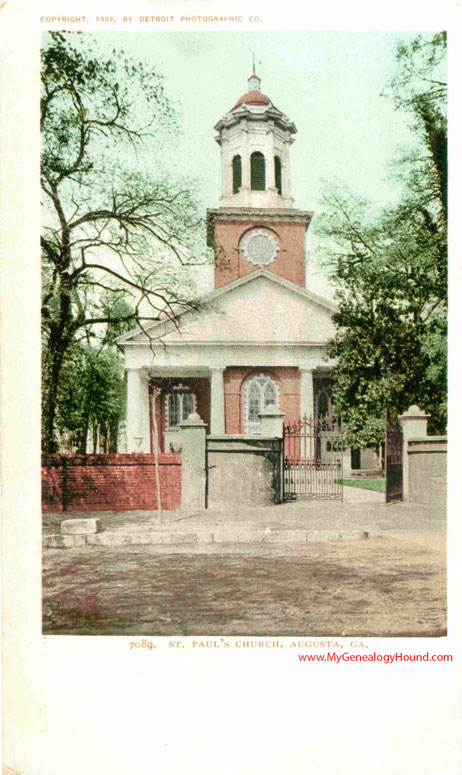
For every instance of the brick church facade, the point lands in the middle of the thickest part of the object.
(259, 338)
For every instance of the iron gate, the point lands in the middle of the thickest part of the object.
(313, 459)
(393, 462)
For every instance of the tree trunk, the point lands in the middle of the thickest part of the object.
(52, 371)
(58, 342)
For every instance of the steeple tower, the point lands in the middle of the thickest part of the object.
(256, 226)
(255, 139)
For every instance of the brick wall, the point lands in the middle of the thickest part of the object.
(235, 377)
(289, 263)
(109, 482)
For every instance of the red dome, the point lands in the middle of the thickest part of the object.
(252, 98)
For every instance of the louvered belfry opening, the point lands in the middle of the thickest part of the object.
(237, 174)
(278, 174)
(257, 172)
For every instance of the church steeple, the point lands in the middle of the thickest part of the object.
(256, 227)
(255, 139)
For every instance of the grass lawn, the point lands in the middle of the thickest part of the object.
(380, 586)
(377, 485)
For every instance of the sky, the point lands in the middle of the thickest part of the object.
(329, 83)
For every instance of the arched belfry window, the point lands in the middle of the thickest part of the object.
(259, 392)
(237, 174)
(257, 172)
(278, 174)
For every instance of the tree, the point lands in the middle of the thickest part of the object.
(91, 392)
(91, 397)
(390, 271)
(109, 226)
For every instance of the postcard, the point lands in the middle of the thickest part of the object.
(229, 453)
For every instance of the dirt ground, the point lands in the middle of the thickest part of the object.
(378, 587)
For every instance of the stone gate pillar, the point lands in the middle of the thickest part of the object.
(414, 425)
(271, 422)
(193, 473)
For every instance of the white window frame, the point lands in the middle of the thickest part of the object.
(181, 390)
(253, 428)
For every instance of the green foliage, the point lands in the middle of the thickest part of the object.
(91, 395)
(390, 271)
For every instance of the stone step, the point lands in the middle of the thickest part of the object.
(218, 536)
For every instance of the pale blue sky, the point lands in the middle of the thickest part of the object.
(328, 83)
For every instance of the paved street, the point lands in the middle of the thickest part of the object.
(334, 583)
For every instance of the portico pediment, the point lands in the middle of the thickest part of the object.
(259, 308)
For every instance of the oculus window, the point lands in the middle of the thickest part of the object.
(259, 248)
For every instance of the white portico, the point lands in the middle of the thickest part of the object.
(260, 340)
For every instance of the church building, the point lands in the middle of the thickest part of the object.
(260, 336)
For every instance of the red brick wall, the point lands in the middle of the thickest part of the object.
(230, 264)
(287, 379)
(109, 482)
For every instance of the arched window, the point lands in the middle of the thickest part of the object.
(259, 393)
(237, 174)
(278, 174)
(257, 172)
(180, 403)
(323, 403)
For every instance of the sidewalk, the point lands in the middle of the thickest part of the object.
(289, 523)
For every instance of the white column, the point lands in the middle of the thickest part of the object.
(227, 175)
(217, 409)
(137, 411)
(306, 392)
(144, 399)
(245, 157)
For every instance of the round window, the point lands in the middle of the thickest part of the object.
(259, 248)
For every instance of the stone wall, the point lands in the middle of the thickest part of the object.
(243, 472)
(427, 459)
(109, 482)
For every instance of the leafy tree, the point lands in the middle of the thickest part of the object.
(111, 229)
(91, 392)
(390, 271)
(91, 396)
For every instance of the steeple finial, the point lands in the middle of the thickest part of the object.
(254, 81)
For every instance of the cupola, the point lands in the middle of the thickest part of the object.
(255, 139)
